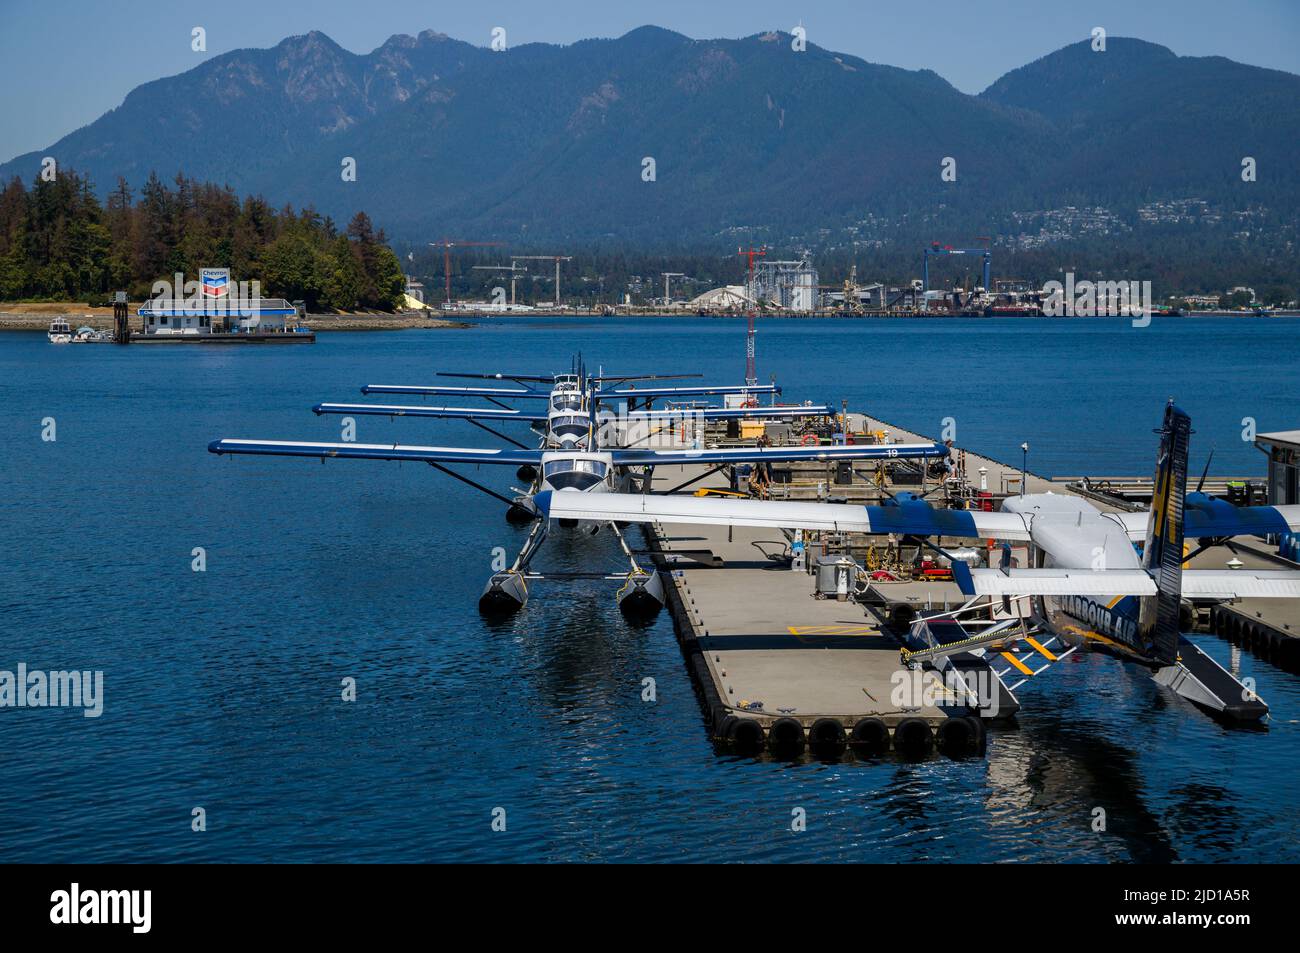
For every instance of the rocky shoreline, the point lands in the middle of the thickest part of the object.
(38, 317)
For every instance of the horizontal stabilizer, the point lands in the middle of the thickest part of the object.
(1061, 582)
(1241, 584)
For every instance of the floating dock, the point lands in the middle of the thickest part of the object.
(219, 337)
(779, 669)
(1269, 628)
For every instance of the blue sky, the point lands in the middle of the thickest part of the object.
(67, 63)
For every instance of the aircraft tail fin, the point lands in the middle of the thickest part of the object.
(1162, 556)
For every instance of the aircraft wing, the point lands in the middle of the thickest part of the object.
(731, 413)
(376, 451)
(636, 457)
(616, 379)
(462, 413)
(501, 393)
(1241, 584)
(613, 392)
(517, 378)
(916, 519)
(1220, 518)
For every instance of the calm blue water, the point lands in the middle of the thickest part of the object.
(222, 688)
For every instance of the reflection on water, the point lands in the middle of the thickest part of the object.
(222, 689)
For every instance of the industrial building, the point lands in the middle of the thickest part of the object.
(788, 285)
(728, 298)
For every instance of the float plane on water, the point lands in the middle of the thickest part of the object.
(1086, 583)
(573, 459)
(573, 402)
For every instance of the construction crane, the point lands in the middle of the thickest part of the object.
(751, 372)
(556, 258)
(668, 275)
(447, 245)
(937, 249)
(514, 270)
(851, 300)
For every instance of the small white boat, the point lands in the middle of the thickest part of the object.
(60, 331)
(88, 335)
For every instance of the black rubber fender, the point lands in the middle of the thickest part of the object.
(722, 726)
(956, 736)
(745, 735)
(1288, 655)
(827, 738)
(785, 737)
(870, 736)
(913, 736)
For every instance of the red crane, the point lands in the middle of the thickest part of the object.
(447, 245)
(751, 373)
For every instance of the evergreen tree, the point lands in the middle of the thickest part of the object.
(58, 241)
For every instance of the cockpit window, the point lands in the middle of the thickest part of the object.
(598, 468)
(563, 422)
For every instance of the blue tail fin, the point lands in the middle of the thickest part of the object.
(1158, 625)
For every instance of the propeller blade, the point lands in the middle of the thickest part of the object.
(1204, 473)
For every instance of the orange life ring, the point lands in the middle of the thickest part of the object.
(808, 439)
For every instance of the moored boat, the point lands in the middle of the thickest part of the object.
(60, 332)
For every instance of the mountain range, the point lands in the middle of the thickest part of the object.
(544, 143)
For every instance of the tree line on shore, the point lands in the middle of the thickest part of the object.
(59, 242)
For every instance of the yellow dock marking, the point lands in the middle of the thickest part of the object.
(1040, 650)
(1017, 663)
(831, 630)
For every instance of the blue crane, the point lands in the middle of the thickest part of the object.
(937, 249)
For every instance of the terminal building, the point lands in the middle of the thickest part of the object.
(1283, 449)
(206, 312)
(166, 317)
